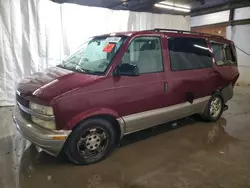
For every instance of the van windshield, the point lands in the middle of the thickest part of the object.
(95, 55)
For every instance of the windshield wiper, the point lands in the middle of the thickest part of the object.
(80, 69)
(88, 71)
(94, 72)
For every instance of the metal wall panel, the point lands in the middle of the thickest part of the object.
(208, 19)
(240, 35)
(242, 13)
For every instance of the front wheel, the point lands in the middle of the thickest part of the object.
(90, 142)
(214, 108)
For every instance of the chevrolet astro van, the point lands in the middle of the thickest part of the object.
(119, 83)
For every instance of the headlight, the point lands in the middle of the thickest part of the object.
(45, 110)
(43, 123)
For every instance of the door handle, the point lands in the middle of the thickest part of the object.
(165, 87)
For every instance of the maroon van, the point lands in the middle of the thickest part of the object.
(120, 83)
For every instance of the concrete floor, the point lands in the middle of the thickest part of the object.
(189, 154)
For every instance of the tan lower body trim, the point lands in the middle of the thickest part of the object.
(143, 120)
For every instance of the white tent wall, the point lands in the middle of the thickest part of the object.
(37, 34)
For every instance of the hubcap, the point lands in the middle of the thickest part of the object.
(215, 107)
(92, 142)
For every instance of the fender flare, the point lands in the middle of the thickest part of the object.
(96, 112)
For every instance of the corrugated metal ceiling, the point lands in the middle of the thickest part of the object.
(148, 5)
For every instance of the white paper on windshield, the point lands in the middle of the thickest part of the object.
(113, 39)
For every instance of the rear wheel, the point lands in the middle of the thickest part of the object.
(214, 108)
(90, 142)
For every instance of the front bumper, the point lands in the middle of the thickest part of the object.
(48, 140)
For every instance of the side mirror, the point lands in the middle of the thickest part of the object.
(126, 69)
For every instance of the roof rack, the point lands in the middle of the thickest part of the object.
(187, 32)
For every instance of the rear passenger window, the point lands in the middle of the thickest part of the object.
(223, 54)
(145, 52)
(189, 53)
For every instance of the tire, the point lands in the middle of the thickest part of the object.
(213, 115)
(81, 144)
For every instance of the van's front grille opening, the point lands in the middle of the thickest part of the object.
(25, 115)
(24, 103)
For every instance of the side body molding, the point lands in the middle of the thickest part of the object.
(147, 119)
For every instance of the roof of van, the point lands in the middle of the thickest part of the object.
(169, 31)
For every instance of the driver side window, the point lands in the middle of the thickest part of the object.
(145, 52)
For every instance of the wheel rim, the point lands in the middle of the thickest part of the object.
(92, 142)
(215, 107)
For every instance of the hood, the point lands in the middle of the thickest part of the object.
(52, 83)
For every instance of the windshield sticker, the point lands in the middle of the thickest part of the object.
(108, 48)
(113, 39)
